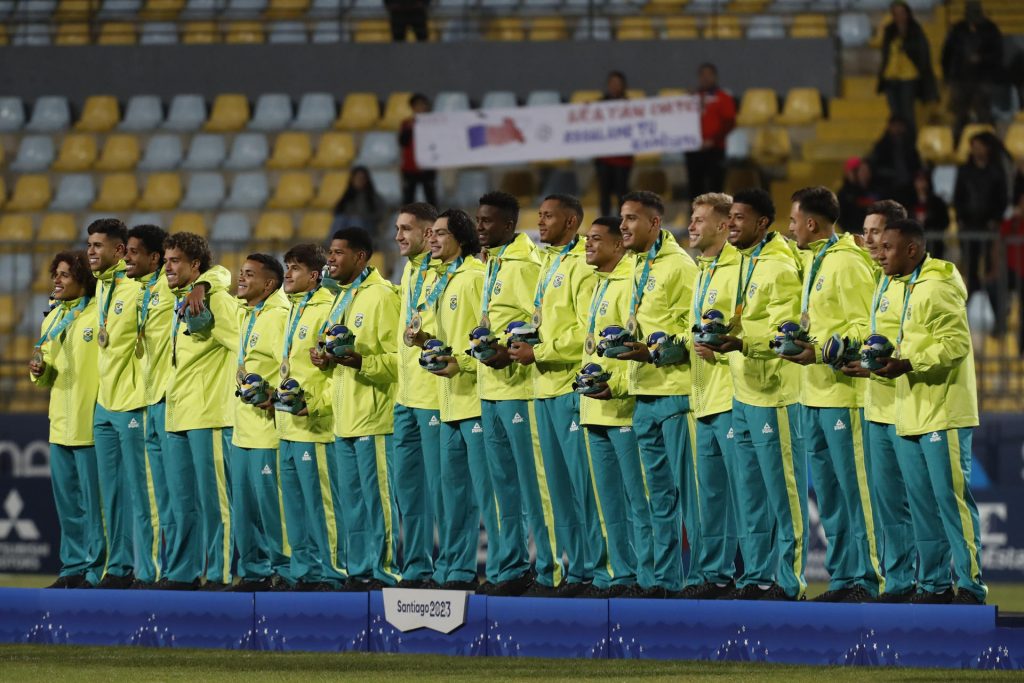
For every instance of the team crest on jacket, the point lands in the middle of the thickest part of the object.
(154, 300)
(253, 339)
(497, 287)
(87, 334)
(359, 320)
(559, 279)
(819, 283)
(453, 303)
(712, 296)
(118, 306)
(303, 331)
(883, 305)
(604, 307)
(752, 290)
(650, 284)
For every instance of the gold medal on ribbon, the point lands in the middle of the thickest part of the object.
(102, 338)
(536, 318)
(735, 325)
(590, 345)
(140, 347)
(631, 325)
(485, 321)
(37, 356)
(240, 375)
(409, 337)
(805, 321)
(286, 370)
(416, 323)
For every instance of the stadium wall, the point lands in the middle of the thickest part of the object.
(475, 67)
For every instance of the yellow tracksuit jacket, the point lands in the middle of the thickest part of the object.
(317, 386)
(121, 378)
(880, 393)
(156, 335)
(457, 313)
(712, 380)
(416, 387)
(254, 427)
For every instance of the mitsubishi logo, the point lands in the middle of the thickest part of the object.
(25, 528)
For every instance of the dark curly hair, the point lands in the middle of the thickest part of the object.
(194, 247)
(463, 229)
(78, 264)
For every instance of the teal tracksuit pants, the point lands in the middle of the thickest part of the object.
(371, 517)
(623, 508)
(128, 500)
(467, 497)
(841, 471)
(256, 525)
(889, 495)
(716, 465)
(76, 494)
(156, 452)
(770, 489)
(197, 477)
(662, 426)
(520, 483)
(415, 464)
(577, 525)
(942, 466)
(307, 498)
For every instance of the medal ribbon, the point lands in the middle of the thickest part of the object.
(338, 308)
(639, 285)
(815, 266)
(883, 286)
(595, 304)
(253, 314)
(144, 313)
(743, 284)
(110, 297)
(492, 278)
(438, 289)
(62, 322)
(702, 285)
(542, 285)
(414, 292)
(293, 322)
(179, 302)
(906, 302)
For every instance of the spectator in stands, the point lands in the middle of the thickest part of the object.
(856, 195)
(412, 174)
(406, 14)
(906, 73)
(705, 168)
(929, 209)
(360, 206)
(1012, 234)
(980, 199)
(894, 160)
(613, 172)
(972, 61)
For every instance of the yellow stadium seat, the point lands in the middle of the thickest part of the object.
(286, 9)
(508, 28)
(652, 180)
(163, 192)
(758, 106)
(161, 9)
(372, 31)
(723, 26)
(548, 28)
(803, 106)
(360, 111)
(845, 109)
(396, 110)
(120, 153)
(935, 144)
(99, 114)
(963, 148)
(834, 151)
(845, 131)
(860, 87)
(200, 33)
(72, 34)
(635, 28)
(244, 33)
(335, 150)
(230, 113)
(118, 192)
(274, 225)
(293, 191)
(332, 186)
(671, 92)
(4, 38)
(521, 184)
(43, 282)
(31, 193)
(73, 10)
(16, 227)
(809, 26)
(1014, 140)
(582, 96)
(8, 316)
(291, 150)
(188, 221)
(771, 146)
(57, 227)
(746, 6)
(682, 27)
(117, 33)
(315, 226)
(77, 153)
(635, 94)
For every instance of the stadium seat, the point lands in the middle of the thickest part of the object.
(99, 114)
(249, 150)
(582, 96)
(335, 150)
(1014, 142)
(396, 110)
(74, 193)
(161, 9)
(771, 146)
(120, 153)
(117, 33)
(593, 28)
(201, 9)
(73, 10)
(77, 153)
(188, 221)
(17, 270)
(854, 29)
(244, 9)
(159, 33)
(326, 32)
(360, 111)
(635, 28)
(388, 185)
(16, 227)
(293, 191)
(451, 101)
(31, 35)
(144, 218)
(162, 192)
(50, 113)
(32, 314)
(935, 144)
(231, 227)
(845, 109)
(163, 152)
(273, 112)
(187, 113)
(200, 33)
(506, 29)
(35, 153)
(561, 181)
(520, 183)
(286, 9)
(809, 26)
(8, 314)
(244, 33)
(963, 148)
(274, 225)
(291, 150)
(57, 227)
(119, 9)
(371, 31)
(802, 106)
(316, 112)
(143, 113)
(118, 192)
(737, 144)
(72, 34)
(461, 29)
(543, 98)
(287, 33)
(766, 27)
(31, 193)
(12, 114)
(315, 226)
(757, 107)
(499, 99)
(470, 185)
(723, 27)
(332, 186)
(378, 149)
(230, 113)
(548, 28)
(205, 191)
(248, 191)
(680, 27)
(206, 151)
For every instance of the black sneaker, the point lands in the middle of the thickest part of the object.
(923, 597)
(166, 584)
(251, 586)
(778, 594)
(485, 588)
(965, 597)
(458, 586)
(858, 594)
(749, 592)
(214, 586)
(539, 590)
(117, 582)
(70, 581)
(512, 587)
(573, 590)
(311, 587)
(708, 591)
(638, 592)
(419, 584)
(353, 585)
(281, 586)
(595, 593)
(141, 585)
(896, 598)
(617, 590)
(837, 595)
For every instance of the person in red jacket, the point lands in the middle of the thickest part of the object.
(705, 167)
(412, 174)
